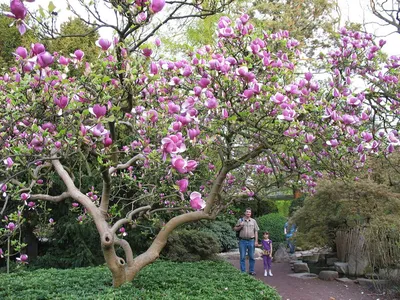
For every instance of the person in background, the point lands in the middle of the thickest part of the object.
(289, 232)
(267, 254)
(248, 240)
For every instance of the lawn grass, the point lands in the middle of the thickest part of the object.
(161, 280)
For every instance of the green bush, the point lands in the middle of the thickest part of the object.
(224, 233)
(274, 224)
(258, 207)
(72, 245)
(191, 245)
(283, 207)
(160, 280)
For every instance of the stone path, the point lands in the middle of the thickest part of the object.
(292, 288)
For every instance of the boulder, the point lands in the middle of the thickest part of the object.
(313, 258)
(341, 267)
(258, 253)
(331, 261)
(389, 273)
(328, 275)
(281, 255)
(301, 268)
(357, 264)
(373, 284)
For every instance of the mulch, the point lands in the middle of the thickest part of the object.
(291, 288)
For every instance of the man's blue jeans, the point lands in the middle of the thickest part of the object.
(246, 245)
(291, 245)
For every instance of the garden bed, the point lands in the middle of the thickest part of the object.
(161, 280)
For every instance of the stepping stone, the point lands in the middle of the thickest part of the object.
(372, 283)
(328, 275)
(301, 268)
(345, 280)
(331, 261)
(304, 275)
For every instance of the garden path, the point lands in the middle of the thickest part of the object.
(291, 288)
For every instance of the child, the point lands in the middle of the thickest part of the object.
(267, 254)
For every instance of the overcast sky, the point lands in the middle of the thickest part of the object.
(357, 11)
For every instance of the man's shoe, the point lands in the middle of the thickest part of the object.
(252, 273)
(265, 273)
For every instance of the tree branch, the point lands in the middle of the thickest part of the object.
(128, 218)
(127, 164)
(54, 199)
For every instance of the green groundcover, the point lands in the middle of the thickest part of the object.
(161, 280)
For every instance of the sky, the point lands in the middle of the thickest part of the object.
(356, 11)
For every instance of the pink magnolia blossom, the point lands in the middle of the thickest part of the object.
(333, 143)
(10, 226)
(8, 162)
(157, 5)
(38, 48)
(182, 184)
(78, 54)
(45, 59)
(18, 12)
(21, 52)
(104, 44)
(25, 196)
(23, 259)
(61, 102)
(1, 253)
(98, 110)
(196, 202)
(287, 115)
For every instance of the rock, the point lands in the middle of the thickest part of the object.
(341, 267)
(345, 280)
(328, 275)
(258, 253)
(301, 268)
(373, 284)
(304, 275)
(371, 276)
(281, 255)
(389, 273)
(311, 258)
(331, 261)
(233, 255)
(357, 264)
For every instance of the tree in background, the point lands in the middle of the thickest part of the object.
(76, 35)
(388, 12)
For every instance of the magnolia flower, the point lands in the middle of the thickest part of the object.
(98, 110)
(23, 259)
(287, 115)
(25, 196)
(333, 143)
(38, 48)
(45, 59)
(8, 162)
(157, 5)
(21, 52)
(10, 226)
(1, 253)
(196, 202)
(61, 102)
(123, 231)
(78, 54)
(104, 44)
(182, 184)
(18, 12)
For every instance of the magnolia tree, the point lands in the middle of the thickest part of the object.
(172, 134)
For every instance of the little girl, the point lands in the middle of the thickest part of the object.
(267, 254)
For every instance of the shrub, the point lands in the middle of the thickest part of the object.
(72, 245)
(224, 233)
(274, 224)
(283, 207)
(191, 245)
(161, 280)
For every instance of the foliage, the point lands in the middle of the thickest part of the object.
(273, 223)
(258, 206)
(72, 245)
(341, 205)
(296, 204)
(161, 280)
(191, 245)
(283, 207)
(224, 233)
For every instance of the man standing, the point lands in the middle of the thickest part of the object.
(248, 240)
